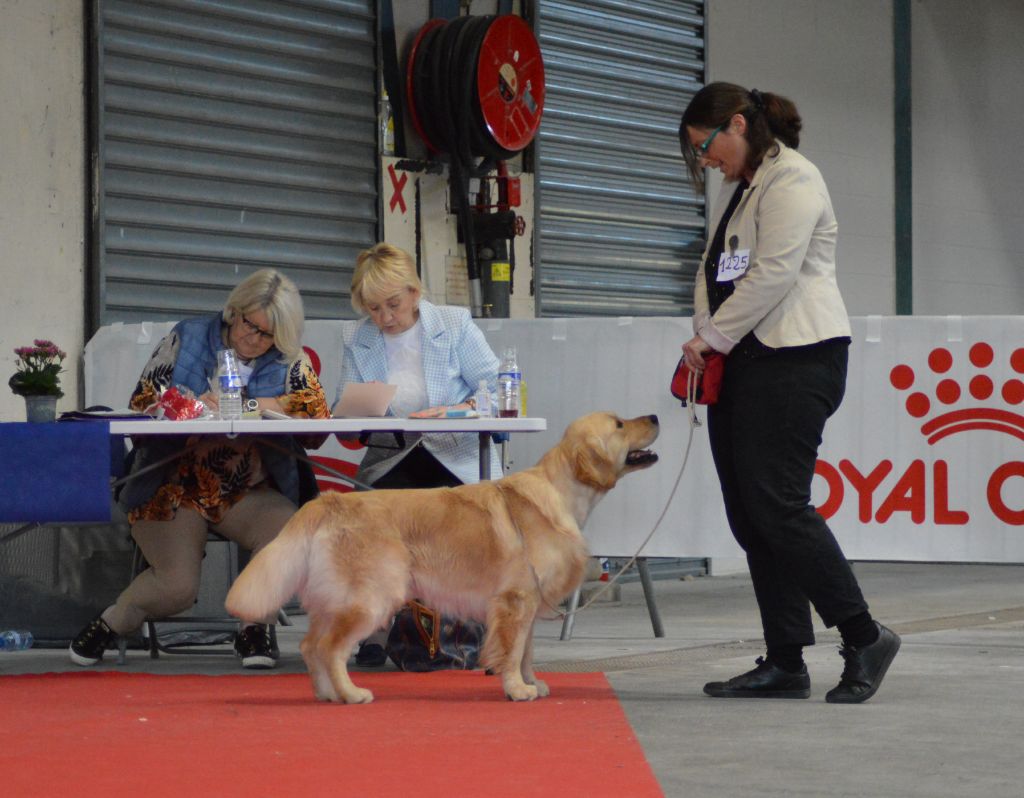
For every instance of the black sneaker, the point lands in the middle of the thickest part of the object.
(765, 681)
(88, 646)
(254, 645)
(865, 668)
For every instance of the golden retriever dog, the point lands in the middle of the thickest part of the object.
(500, 552)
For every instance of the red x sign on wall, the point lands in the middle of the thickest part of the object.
(397, 183)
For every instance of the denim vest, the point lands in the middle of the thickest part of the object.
(195, 367)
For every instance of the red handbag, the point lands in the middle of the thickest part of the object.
(707, 383)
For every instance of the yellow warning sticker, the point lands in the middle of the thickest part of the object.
(501, 272)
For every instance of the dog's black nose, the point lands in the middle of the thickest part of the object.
(654, 419)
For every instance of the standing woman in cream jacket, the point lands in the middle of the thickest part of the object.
(766, 296)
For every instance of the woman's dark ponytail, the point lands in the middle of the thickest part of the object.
(781, 115)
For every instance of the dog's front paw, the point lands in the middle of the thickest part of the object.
(542, 688)
(357, 695)
(521, 692)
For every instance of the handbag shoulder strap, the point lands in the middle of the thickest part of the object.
(425, 617)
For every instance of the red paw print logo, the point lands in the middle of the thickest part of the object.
(948, 391)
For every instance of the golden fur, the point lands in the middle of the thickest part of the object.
(485, 551)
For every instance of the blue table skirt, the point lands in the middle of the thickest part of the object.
(56, 472)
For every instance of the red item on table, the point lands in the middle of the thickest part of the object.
(179, 405)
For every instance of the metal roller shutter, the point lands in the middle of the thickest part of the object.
(619, 228)
(231, 135)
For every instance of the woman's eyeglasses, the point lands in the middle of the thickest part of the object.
(252, 329)
(702, 150)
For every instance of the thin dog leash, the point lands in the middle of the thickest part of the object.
(691, 402)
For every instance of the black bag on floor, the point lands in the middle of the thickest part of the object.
(422, 639)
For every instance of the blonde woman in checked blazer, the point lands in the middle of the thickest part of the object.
(436, 356)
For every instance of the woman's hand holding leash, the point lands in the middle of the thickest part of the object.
(694, 351)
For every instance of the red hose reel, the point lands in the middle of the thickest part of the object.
(493, 62)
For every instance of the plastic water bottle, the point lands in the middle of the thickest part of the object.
(229, 385)
(483, 400)
(15, 640)
(509, 378)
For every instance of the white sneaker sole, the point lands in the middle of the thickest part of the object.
(259, 662)
(78, 659)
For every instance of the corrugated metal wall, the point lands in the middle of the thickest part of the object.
(619, 228)
(231, 135)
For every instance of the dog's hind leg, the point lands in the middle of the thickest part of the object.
(509, 625)
(319, 672)
(333, 648)
(527, 667)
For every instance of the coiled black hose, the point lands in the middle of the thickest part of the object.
(444, 91)
(446, 102)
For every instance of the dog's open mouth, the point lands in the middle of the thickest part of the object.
(641, 457)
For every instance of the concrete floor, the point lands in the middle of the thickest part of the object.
(949, 720)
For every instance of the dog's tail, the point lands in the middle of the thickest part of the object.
(277, 572)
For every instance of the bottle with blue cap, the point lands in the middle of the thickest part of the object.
(229, 385)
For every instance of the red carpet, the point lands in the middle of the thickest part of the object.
(438, 734)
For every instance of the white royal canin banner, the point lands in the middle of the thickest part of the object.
(923, 462)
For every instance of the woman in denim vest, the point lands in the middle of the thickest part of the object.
(234, 486)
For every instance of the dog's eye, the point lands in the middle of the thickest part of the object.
(619, 424)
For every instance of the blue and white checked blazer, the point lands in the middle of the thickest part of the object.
(456, 356)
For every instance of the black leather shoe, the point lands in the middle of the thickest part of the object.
(865, 668)
(765, 681)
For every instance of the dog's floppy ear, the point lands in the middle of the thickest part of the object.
(592, 465)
